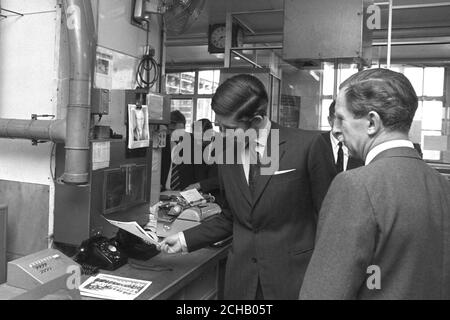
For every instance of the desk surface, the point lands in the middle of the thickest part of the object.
(185, 268)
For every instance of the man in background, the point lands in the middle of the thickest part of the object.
(333, 148)
(176, 177)
(384, 229)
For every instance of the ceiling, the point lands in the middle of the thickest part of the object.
(190, 47)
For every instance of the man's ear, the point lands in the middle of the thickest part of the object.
(256, 120)
(374, 123)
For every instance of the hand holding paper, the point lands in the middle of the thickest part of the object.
(134, 228)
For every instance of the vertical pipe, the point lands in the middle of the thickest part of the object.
(82, 45)
(389, 42)
(3, 229)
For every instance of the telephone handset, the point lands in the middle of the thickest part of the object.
(100, 252)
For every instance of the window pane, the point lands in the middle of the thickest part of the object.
(428, 154)
(205, 82)
(216, 80)
(345, 71)
(432, 115)
(204, 109)
(173, 83)
(186, 107)
(415, 76)
(187, 82)
(434, 82)
(419, 112)
(208, 81)
(328, 79)
(324, 125)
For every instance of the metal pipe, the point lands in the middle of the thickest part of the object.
(38, 129)
(414, 6)
(74, 131)
(246, 59)
(389, 40)
(82, 45)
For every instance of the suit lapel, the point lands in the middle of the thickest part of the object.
(238, 171)
(263, 180)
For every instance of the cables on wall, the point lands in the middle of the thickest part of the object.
(147, 73)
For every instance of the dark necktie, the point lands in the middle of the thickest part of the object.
(254, 172)
(175, 179)
(340, 159)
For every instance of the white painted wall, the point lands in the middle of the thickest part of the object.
(28, 76)
(34, 80)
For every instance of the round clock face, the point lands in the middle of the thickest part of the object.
(218, 37)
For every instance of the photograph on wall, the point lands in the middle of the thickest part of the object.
(138, 127)
(103, 70)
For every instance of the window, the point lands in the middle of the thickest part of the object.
(428, 82)
(192, 92)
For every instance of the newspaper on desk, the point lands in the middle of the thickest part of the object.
(105, 286)
(134, 228)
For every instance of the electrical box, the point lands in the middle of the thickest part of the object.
(37, 269)
(100, 101)
(323, 30)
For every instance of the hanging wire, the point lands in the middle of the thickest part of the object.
(147, 73)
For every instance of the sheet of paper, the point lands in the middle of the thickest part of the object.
(101, 154)
(105, 286)
(192, 196)
(134, 228)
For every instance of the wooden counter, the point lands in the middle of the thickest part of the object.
(194, 276)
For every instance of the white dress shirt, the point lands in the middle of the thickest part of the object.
(335, 146)
(263, 135)
(261, 143)
(386, 146)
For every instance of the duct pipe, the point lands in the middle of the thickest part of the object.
(82, 46)
(38, 129)
(74, 131)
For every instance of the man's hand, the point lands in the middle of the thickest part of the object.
(171, 244)
(193, 186)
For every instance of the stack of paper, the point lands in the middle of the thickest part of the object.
(105, 286)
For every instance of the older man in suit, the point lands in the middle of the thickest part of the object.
(272, 217)
(384, 229)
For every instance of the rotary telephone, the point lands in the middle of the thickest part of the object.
(101, 252)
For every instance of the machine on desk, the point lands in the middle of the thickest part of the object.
(175, 214)
(44, 273)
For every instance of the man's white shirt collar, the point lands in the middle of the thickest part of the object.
(263, 135)
(335, 144)
(386, 146)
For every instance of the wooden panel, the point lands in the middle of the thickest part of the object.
(28, 212)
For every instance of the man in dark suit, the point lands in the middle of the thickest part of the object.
(174, 176)
(331, 146)
(272, 217)
(384, 229)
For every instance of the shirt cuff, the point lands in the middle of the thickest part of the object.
(184, 247)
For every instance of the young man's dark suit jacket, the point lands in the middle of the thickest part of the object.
(188, 172)
(323, 148)
(273, 233)
(393, 213)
